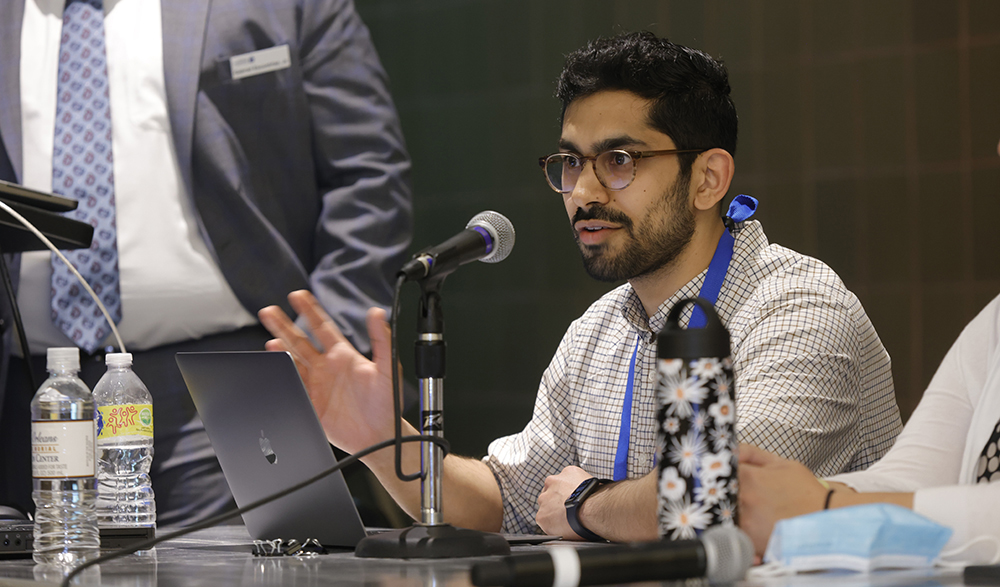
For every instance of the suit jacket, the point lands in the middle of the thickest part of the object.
(299, 176)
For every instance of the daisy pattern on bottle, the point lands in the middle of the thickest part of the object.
(727, 512)
(698, 421)
(723, 410)
(710, 492)
(721, 437)
(672, 486)
(670, 367)
(708, 368)
(678, 394)
(687, 451)
(724, 385)
(696, 414)
(684, 519)
(716, 465)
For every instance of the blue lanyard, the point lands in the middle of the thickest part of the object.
(621, 455)
(742, 208)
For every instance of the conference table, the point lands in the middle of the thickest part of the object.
(223, 556)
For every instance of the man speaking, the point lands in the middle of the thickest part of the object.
(645, 159)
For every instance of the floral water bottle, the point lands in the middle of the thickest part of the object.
(63, 464)
(124, 446)
(696, 434)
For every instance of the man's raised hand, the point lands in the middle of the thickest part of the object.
(351, 394)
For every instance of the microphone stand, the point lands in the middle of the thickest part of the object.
(429, 355)
(431, 537)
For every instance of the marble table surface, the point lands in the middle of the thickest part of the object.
(223, 556)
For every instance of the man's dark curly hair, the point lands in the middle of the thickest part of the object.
(689, 89)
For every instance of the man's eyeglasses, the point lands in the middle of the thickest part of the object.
(615, 169)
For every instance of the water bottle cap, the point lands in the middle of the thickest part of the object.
(118, 359)
(689, 344)
(62, 358)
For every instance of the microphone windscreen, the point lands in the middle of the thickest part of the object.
(500, 229)
(728, 553)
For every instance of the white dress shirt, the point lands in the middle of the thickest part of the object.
(172, 288)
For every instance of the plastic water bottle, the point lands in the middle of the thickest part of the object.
(124, 446)
(63, 464)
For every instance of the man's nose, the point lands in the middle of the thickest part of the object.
(588, 189)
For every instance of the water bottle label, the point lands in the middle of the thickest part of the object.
(62, 448)
(125, 420)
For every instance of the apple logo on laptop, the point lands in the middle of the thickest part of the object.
(265, 447)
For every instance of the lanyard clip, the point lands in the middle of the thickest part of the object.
(740, 209)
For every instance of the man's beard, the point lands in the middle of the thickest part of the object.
(652, 244)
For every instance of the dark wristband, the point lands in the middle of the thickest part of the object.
(573, 503)
(826, 502)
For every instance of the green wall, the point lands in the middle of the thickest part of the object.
(868, 130)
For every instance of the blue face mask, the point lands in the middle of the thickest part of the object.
(859, 538)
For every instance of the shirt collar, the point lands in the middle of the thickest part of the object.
(749, 239)
(635, 314)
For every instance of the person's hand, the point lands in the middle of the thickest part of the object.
(551, 516)
(772, 489)
(351, 395)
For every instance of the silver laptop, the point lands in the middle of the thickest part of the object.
(268, 438)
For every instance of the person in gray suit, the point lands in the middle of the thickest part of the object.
(233, 186)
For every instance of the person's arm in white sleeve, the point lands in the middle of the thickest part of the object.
(920, 472)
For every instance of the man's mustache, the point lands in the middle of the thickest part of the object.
(603, 214)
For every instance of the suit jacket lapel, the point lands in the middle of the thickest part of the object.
(11, 17)
(184, 23)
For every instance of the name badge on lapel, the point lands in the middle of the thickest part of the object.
(262, 61)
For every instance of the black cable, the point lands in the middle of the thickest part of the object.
(350, 460)
(397, 409)
(21, 338)
(397, 441)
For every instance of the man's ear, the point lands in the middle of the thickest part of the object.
(711, 174)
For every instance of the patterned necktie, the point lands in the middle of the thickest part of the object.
(989, 461)
(82, 170)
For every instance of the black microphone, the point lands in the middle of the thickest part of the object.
(722, 554)
(488, 237)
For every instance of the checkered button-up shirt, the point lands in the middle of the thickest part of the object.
(813, 381)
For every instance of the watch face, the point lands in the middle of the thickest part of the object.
(580, 490)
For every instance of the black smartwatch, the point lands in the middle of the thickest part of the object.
(575, 500)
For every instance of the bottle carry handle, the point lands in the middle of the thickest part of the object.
(675, 342)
